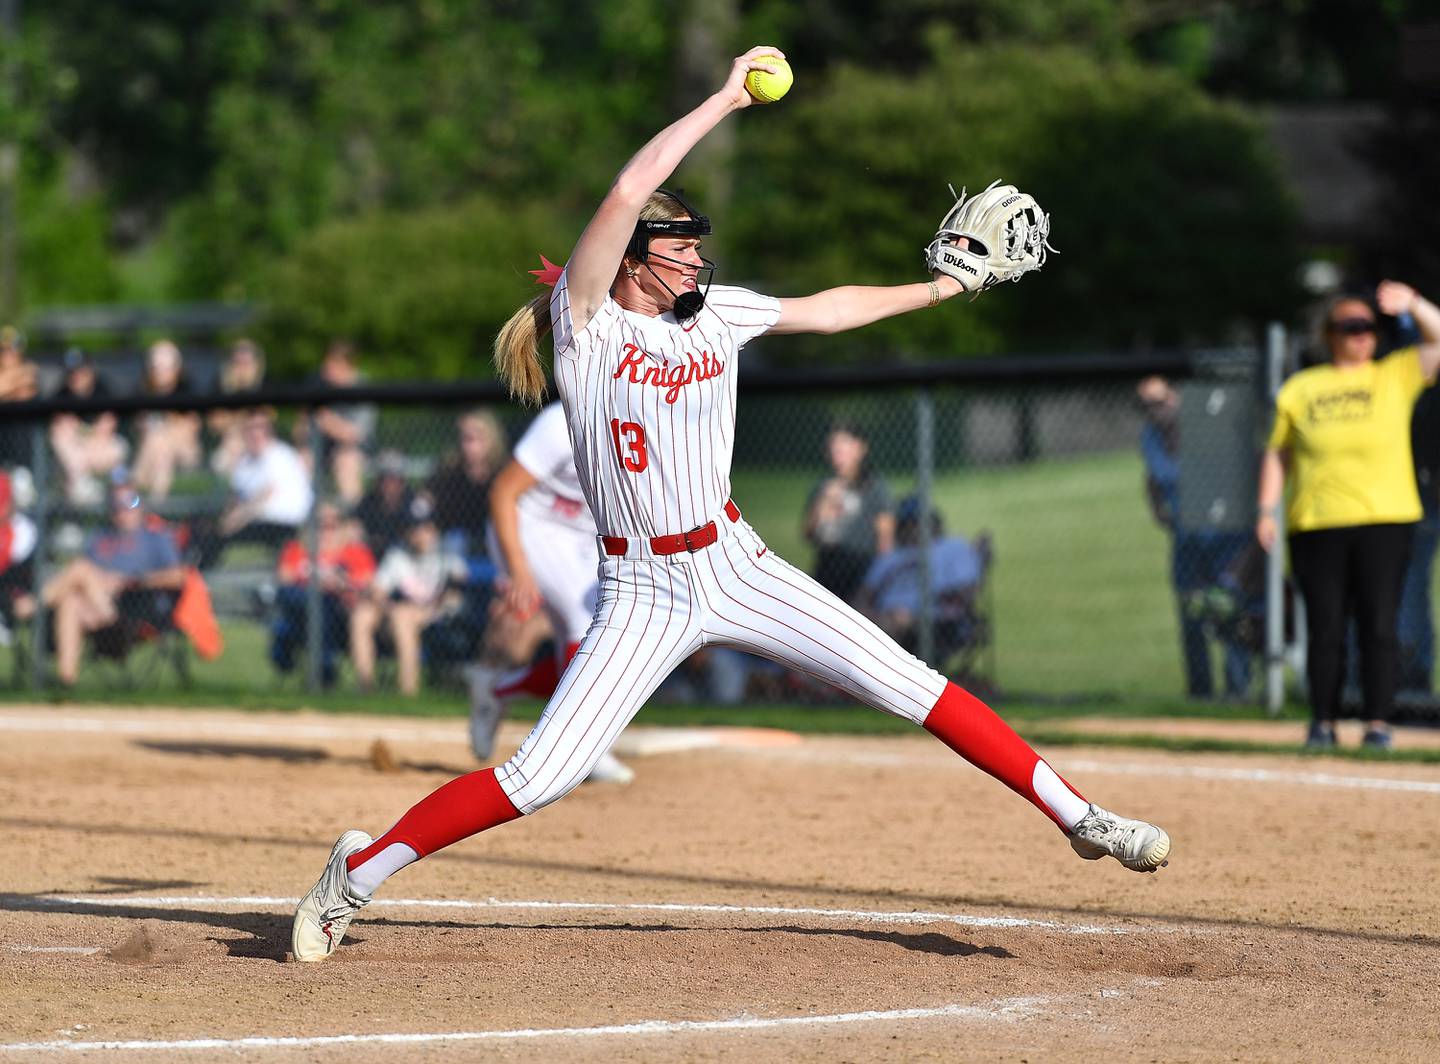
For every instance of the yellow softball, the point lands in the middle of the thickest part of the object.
(767, 87)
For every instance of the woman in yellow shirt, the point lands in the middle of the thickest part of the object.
(1342, 438)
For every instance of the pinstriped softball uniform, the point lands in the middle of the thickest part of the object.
(650, 406)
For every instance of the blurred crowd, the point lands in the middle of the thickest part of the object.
(407, 587)
(401, 562)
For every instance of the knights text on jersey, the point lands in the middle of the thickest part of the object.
(651, 407)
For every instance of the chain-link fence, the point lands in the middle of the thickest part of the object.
(1056, 529)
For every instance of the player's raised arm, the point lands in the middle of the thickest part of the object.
(597, 256)
(1395, 297)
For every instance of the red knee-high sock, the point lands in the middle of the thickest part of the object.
(540, 679)
(461, 808)
(974, 731)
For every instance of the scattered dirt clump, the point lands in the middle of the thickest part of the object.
(382, 758)
(155, 942)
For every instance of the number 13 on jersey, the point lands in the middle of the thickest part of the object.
(630, 444)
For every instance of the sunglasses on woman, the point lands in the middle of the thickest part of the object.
(1352, 326)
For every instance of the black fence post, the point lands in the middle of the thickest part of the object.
(314, 617)
(1276, 345)
(40, 474)
(1027, 433)
(924, 489)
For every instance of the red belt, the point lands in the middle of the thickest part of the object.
(696, 539)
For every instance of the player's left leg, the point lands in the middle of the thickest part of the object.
(636, 638)
(761, 603)
(644, 626)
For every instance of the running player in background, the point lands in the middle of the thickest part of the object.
(543, 538)
(645, 365)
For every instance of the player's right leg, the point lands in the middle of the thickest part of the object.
(643, 627)
(562, 559)
(763, 604)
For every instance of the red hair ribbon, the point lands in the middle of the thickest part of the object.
(548, 274)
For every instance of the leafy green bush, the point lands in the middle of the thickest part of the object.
(422, 292)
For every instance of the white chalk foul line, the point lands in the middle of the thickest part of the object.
(1259, 775)
(1007, 1009)
(1121, 768)
(52, 901)
(17, 948)
(170, 727)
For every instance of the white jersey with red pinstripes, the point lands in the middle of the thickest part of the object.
(650, 405)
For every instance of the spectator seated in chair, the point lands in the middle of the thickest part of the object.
(384, 511)
(346, 429)
(166, 441)
(890, 594)
(244, 371)
(89, 446)
(271, 493)
(460, 487)
(848, 516)
(345, 570)
(129, 578)
(418, 593)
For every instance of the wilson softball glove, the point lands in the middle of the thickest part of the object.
(1007, 234)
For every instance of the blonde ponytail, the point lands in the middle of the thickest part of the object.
(517, 347)
(517, 351)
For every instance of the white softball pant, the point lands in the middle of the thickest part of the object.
(654, 612)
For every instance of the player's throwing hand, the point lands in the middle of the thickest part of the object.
(757, 58)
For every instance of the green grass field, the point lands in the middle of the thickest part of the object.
(1081, 592)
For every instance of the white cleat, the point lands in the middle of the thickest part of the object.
(1139, 846)
(325, 913)
(486, 710)
(610, 769)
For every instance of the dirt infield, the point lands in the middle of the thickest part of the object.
(824, 899)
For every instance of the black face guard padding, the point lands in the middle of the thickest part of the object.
(687, 304)
(695, 225)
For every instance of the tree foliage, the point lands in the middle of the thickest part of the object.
(274, 149)
(63, 244)
(1170, 219)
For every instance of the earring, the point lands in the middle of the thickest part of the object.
(630, 271)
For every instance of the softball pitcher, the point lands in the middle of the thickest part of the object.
(645, 360)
